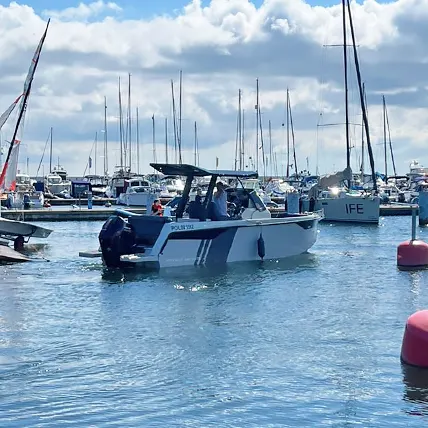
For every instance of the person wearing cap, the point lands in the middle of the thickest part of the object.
(220, 201)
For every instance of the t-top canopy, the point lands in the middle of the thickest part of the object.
(195, 171)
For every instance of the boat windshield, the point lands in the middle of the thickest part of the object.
(54, 179)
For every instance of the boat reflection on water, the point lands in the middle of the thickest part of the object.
(212, 276)
(415, 382)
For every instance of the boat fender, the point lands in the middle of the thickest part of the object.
(261, 247)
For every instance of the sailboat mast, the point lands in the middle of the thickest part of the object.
(179, 118)
(384, 137)
(105, 140)
(174, 121)
(257, 124)
(390, 142)
(166, 140)
(270, 149)
(243, 139)
(196, 145)
(362, 101)
(138, 141)
(240, 131)
(154, 140)
(129, 121)
(345, 68)
(23, 105)
(262, 144)
(120, 128)
(95, 157)
(288, 133)
(50, 155)
(362, 141)
(292, 137)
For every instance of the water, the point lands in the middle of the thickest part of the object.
(308, 342)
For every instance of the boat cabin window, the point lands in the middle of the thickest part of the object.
(54, 179)
(139, 189)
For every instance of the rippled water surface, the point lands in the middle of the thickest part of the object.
(308, 342)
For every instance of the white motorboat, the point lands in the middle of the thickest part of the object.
(56, 185)
(200, 237)
(23, 183)
(139, 192)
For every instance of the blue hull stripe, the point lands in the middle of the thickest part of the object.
(198, 254)
(220, 247)
(204, 252)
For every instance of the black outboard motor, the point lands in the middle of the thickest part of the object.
(116, 239)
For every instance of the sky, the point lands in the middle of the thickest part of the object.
(221, 46)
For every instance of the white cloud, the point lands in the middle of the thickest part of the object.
(83, 11)
(220, 47)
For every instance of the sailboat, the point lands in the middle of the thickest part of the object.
(18, 231)
(342, 204)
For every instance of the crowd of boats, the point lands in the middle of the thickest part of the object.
(189, 231)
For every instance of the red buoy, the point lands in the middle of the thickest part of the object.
(412, 254)
(414, 350)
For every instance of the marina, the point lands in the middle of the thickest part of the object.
(82, 213)
(198, 231)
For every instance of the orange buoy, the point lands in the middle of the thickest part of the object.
(414, 349)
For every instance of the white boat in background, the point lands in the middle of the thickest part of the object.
(276, 187)
(202, 237)
(139, 192)
(417, 170)
(353, 207)
(338, 203)
(171, 186)
(56, 185)
(23, 183)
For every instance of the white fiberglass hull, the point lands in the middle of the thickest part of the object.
(219, 242)
(12, 228)
(353, 209)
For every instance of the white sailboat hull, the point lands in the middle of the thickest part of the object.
(353, 209)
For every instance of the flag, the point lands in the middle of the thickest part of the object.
(90, 162)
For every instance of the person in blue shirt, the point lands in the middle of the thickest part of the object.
(220, 201)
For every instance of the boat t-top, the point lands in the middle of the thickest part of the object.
(196, 235)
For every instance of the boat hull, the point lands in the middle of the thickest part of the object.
(217, 243)
(12, 228)
(352, 209)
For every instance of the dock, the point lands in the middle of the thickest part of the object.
(66, 213)
(102, 213)
(395, 209)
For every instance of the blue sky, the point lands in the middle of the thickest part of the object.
(144, 7)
